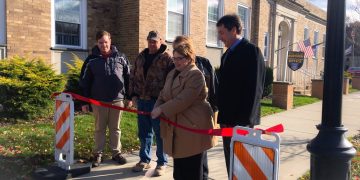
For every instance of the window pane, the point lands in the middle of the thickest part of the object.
(212, 36)
(67, 11)
(2, 22)
(213, 10)
(306, 33)
(175, 25)
(266, 39)
(67, 33)
(176, 6)
(243, 14)
(316, 34)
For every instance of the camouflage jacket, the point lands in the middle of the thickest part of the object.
(152, 84)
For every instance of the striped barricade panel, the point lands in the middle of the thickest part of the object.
(64, 129)
(254, 157)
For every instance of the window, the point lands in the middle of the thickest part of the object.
(243, 13)
(323, 45)
(2, 22)
(266, 46)
(306, 33)
(215, 11)
(177, 22)
(69, 23)
(315, 46)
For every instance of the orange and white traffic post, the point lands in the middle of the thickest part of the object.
(254, 156)
(64, 128)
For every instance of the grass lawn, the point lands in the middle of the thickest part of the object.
(29, 145)
(26, 146)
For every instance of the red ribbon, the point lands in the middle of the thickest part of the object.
(226, 132)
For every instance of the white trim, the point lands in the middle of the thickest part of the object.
(2, 22)
(220, 14)
(83, 27)
(186, 19)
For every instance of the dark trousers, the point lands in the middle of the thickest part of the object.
(189, 168)
(205, 166)
(227, 150)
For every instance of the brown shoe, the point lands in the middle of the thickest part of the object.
(141, 166)
(159, 170)
(119, 159)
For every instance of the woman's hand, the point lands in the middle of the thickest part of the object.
(156, 113)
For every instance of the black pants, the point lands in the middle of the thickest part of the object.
(227, 150)
(205, 166)
(189, 168)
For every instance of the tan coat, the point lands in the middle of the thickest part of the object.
(183, 100)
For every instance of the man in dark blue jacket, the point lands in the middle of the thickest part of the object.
(105, 77)
(241, 80)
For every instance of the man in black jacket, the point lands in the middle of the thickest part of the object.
(241, 80)
(105, 77)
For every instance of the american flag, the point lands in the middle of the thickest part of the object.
(305, 46)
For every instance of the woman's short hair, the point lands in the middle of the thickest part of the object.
(184, 46)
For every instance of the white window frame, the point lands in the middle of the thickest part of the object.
(220, 14)
(2, 23)
(186, 15)
(316, 47)
(266, 46)
(83, 27)
(247, 23)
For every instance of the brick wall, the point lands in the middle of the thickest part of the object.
(28, 28)
(103, 15)
(283, 95)
(128, 22)
(152, 17)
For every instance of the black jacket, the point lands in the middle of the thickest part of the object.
(105, 79)
(206, 68)
(241, 83)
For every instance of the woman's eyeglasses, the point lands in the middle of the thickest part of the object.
(178, 58)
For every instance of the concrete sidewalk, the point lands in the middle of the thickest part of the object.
(299, 126)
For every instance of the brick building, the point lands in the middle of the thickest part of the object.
(54, 29)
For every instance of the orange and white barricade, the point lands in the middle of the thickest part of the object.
(64, 128)
(253, 156)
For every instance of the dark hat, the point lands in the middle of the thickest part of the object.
(154, 35)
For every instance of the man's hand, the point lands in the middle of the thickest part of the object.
(134, 101)
(156, 113)
(85, 108)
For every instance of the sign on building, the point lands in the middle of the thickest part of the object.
(295, 60)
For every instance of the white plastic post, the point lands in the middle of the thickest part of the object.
(64, 129)
(254, 157)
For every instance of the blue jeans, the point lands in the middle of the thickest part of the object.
(146, 125)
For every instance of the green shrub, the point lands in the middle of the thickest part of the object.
(25, 88)
(72, 77)
(269, 78)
